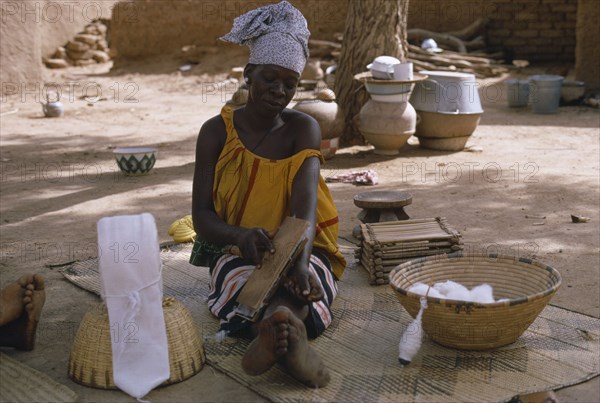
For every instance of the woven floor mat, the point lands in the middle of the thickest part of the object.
(360, 348)
(20, 383)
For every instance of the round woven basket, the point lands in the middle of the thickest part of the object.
(527, 284)
(90, 362)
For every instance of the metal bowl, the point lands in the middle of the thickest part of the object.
(387, 87)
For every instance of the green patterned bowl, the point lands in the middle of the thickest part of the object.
(136, 161)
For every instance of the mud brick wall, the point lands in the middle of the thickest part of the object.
(32, 29)
(154, 27)
(20, 52)
(539, 30)
(587, 65)
(536, 30)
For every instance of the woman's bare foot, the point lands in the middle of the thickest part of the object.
(11, 299)
(282, 338)
(20, 332)
(302, 361)
(270, 345)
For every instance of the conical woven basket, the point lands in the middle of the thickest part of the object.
(90, 362)
(527, 284)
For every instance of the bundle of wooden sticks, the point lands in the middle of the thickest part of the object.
(387, 244)
(463, 51)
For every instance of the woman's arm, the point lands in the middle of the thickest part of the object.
(304, 205)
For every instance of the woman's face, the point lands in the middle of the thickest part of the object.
(271, 87)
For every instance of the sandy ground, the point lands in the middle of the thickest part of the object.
(58, 178)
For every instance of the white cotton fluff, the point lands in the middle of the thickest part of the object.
(482, 293)
(219, 337)
(410, 343)
(453, 290)
(421, 289)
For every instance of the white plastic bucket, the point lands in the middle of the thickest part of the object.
(517, 92)
(544, 93)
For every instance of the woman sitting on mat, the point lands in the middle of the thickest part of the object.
(255, 166)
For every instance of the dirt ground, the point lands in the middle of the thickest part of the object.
(58, 178)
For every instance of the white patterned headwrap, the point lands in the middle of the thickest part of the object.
(276, 34)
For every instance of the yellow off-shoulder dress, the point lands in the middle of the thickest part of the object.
(252, 191)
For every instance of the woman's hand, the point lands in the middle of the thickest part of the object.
(303, 285)
(253, 242)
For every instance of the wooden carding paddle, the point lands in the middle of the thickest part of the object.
(263, 282)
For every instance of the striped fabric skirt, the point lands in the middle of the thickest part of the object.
(228, 275)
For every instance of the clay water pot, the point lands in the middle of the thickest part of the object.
(445, 131)
(312, 70)
(327, 114)
(387, 125)
(240, 97)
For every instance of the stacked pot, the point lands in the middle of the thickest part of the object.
(387, 120)
(330, 118)
(448, 109)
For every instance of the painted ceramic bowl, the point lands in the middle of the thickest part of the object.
(136, 160)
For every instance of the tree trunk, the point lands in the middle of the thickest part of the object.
(373, 28)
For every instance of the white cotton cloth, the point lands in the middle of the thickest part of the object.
(130, 269)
